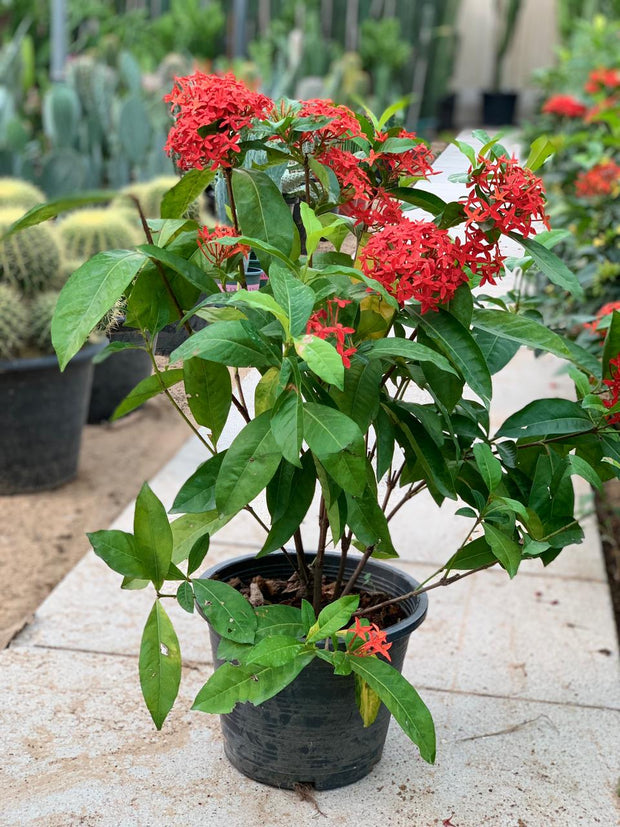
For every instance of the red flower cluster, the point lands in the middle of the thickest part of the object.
(342, 125)
(601, 80)
(614, 389)
(374, 640)
(415, 260)
(215, 253)
(606, 310)
(565, 106)
(415, 162)
(222, 104)
(506, 195)
(599, 181)
(483, 256)
(599, 110)
(324, 324)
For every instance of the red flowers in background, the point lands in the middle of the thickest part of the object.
(324, 324)
(614, 389)
(506, 195)
(602, 80)
(221, 105)
(599, 181)
(606, 310)
(415, 260)
(565, 106)
(215, 253)
(374, 641)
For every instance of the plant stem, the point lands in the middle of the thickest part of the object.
(251, 511)
(233, 212)
(240, 389)
(303, 572)
(241, 408)
(317, 566)
(160, 267)
(358, 570)
(344, 548)
(410, 493)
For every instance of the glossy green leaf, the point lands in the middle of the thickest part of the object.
(51, 209)
(185, 597)
(114, 347)
(88, 295)
(410, 351)
(209, 393)
(197, 493)
(427, 201)
(540, 150)
(264, 302)
(359, 399)
(189, 528)
(191, 186)
(472, 556)
(193, 274)
(198, 553)
(274, 619)
(544, 417)
(153, 534)
(611, 348)
(497, 350)
(408, 709)
(308, 616)
(489, 466)
(369, 525)
(552, 266)
(293, 296)
(120, 551)
(333, 617)
(276, 650)
(146, 389)
(159, 664)
(249, 464)
(297, 499)
(322, 358)
(583, 469)
(226, 609)
(230, 685)
(235, 344)
(507, 551)
(338, 443)
(436, 471)
(287, 425)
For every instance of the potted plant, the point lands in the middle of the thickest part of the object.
(43, 410)
(303, 636)
(498, 105)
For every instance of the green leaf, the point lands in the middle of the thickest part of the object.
(544, 417)
(369, 524)
(191, 186)
(338, 443)
(360, 398)
(209, 393)
(432, 462)
(249, 464)
(507, 551)
(185, 597)
(235, 344)
(153, 535)
(287, 425)
(457, 343)
(88, 295)
(264, 302)
(293, 296)
(263, 213)
(312, 226)
(367, 700)
(308, 617)
(472, 556)
(489, 466)
(189, 528)
(540, 150)
(198, 553)
(159, 664)
(298, 500)
(230, 685)
(427, 201)
(147, 389)
(468, 151)
(553, 267)
(266, 391)
(190, 272)
(333, 617)
(226, 609)
(611, 348)
(112, 348)
(322, 358)
(496, 349)
(120, 551)
(274, 619)
(583, 469)
(275, 651)
(410, 351)
(197, 493)
(408, 709)
(51, 209)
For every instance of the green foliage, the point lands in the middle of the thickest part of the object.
(31, 260)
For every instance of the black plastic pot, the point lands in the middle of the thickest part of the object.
(312, 732)
(498, 108)
(42, 415)
(117, 375)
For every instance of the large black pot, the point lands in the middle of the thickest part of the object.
(312, 731)
(498, 108)
(117, 375)
(42, 413)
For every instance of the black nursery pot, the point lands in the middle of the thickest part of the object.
(42, 413)
(312, 731)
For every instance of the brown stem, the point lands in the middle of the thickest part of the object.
(240, 389)
(233, 212)
(344, 549)
(304, 574)
(391, 485)
(160, 267)
(261, 523)
(411, 493)
(358, 570)
(317, 566)
(445, 581)
(241, 408)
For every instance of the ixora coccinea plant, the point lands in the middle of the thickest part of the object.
(337, 341)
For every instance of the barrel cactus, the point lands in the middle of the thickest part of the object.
(30, 260)
(13, 322)
(150, 195)
(14, 192)
(41, 310)
(87, 232)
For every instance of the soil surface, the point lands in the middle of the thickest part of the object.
(43, 535)
(608, 511)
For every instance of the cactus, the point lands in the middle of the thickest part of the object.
(13, 322)
(87, 232)
(61, 114)
(40, 314)
(17, 193)
(150, 195)
(30, 260)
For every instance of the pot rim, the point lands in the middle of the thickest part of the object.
(50, 360)
(394, 632)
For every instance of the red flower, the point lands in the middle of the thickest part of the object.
(600, 80)
(216, 254)
(324, 324)
(565, 106)
(415, 162)
(374, 640)
(354, 181)
(599, 181)
(378, 208)
(415, 260)
(483, 256)
(505, 195)
(342, 124)
(606, 310)
(614, 389)
(598, 111)
(224, 105)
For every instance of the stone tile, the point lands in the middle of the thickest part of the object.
(78, 748)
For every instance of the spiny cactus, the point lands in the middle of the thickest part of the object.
(30, 260)
(41, 311)
(150, 196)
(13, 322)
(87, 232)
(21, 194)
